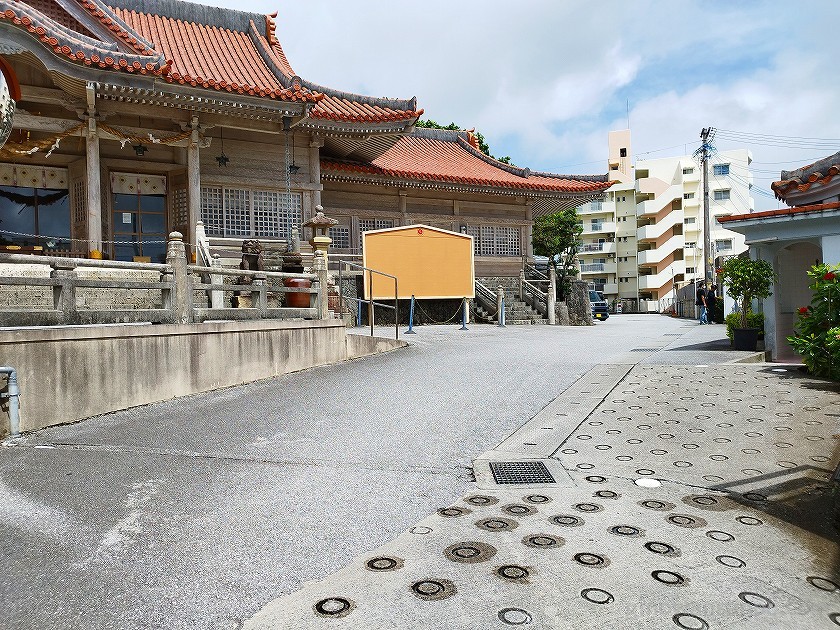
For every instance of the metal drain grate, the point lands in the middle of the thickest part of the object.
(645, 350)
(672, 335)
(520, 473)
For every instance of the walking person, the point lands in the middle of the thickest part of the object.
(701, 304)
(711, 298)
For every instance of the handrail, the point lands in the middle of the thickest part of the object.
(176, 281)
(533, 270)
(222, 271)
(485, 297)
(62, 262)
(538, 298)
(371, 302)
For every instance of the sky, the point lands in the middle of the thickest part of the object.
(546, 80)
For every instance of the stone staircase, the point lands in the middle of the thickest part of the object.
(516, 313)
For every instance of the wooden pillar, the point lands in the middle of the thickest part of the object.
(529, 232)
(404, 207)
(315, 144)
(94, 190)
(193, 181)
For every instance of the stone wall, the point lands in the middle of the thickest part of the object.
(67, 374)
(577, 302)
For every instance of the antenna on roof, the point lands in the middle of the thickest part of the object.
(628, 113)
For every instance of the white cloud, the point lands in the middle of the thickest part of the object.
(545, 81)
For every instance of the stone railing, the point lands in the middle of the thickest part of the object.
(178, 285)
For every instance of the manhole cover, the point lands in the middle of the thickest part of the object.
(514, 616)
(384, 563)
(433, 589)
(516, 509)
(470, 552)
(513, 572)
(452, 512)
(597, 596)
(334, 607)
(496, 524)
(507, 473)
(543, 541)
(567, 520)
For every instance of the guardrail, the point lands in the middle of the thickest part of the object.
(371, 303)
(177, 282)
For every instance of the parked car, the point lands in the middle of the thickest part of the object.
(600, 308)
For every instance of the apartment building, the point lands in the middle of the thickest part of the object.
(655, 214)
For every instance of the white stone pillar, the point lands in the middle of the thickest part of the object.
(315, 144)
(94, 189)
(551, 296)
(193, 182)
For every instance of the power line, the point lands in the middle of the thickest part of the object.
(767, 135)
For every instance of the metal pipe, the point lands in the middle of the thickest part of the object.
(396, 312)
(464, 315)
(14, 400)
(410, 330)
(502, 315)
(370, 303)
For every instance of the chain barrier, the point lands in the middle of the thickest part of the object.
(432, 320)
(83, 240)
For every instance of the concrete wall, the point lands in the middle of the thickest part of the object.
(67, 374)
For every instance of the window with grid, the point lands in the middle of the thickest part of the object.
(340, 235)
(721, 195)
(237, 212)
(366, 225)
(475, 232)
(212, 211)
(244, 212)
(721, 169)
(507, 241)
(266, 206)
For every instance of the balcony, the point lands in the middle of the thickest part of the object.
(597, 207)
(608, 267)
(653, 232)
(597, 248)
(654, 256)
(656, 281)
(611, 288)
(652, 207)
(598, 228)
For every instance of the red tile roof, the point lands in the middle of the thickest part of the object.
(228, 53)
(80, 48)
(212, 57)
(448, 157)
(820, 172)
(781, 212)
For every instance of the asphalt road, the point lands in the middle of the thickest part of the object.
(196, 512)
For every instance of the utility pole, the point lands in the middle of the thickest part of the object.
(707, 135)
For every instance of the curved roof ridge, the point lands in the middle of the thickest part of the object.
(802, 179)
(510, 168)
(446, 135)
(580, 178)
(102, 12)
(221, 17)
(375, 101)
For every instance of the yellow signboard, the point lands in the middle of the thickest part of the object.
(429, 263)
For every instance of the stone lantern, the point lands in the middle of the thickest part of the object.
(320, 225)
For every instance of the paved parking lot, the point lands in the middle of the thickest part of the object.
(197, 512)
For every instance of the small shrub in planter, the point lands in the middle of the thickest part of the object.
(817, 331)
(754, 320)
(746, 279)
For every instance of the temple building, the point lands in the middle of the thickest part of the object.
(136, 118)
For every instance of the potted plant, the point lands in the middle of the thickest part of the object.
(746, 279)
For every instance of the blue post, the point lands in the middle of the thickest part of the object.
(359, 312)
(464, 316)
(502, 315)
(410, 330)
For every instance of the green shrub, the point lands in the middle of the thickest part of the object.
(746, 279)
(754, 320)
(817, 330)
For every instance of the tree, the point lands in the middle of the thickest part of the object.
(746, 279)
(558, 237)
(482, 143)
